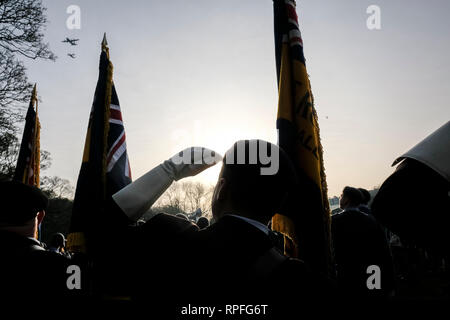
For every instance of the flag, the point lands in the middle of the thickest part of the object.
(307, 232)
(105, 167)
(28, 161)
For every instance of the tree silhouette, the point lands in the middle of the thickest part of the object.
(185, 197)
(21, 26)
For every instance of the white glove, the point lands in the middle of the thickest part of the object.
(190, 162)
(137, 197)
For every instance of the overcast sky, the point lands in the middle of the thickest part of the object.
(203, 73)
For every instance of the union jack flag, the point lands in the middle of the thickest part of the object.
(105, 168)
(117, 163)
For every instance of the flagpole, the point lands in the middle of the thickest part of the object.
(37, 155)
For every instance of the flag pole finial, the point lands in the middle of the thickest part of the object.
(104, 42)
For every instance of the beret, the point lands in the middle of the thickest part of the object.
(19, 202)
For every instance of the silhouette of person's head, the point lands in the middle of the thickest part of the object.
(254, 181)
(350, 197)
(23, 208)
(366, 196)
(58, 240)
(202, 222)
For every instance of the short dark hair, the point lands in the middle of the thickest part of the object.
(57, 240)
(354, 196)
(20, 202)
(365, 195)
(252, 191)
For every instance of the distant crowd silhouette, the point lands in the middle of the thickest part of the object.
(380, 249)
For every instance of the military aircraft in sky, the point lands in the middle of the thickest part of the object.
(72, 42)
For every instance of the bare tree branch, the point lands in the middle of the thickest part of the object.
(21, 26)
(186, 197)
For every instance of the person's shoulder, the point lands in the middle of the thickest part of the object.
(48, 260)
(364, 208)
(350, 213)
(342, 216)
(169, 224)
(352, 218)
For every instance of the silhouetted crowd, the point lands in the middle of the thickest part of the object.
(382, 252)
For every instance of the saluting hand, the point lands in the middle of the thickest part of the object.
(190, 162)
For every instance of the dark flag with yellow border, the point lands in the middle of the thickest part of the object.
(28, 161)
(307, 232)
(105, 168)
